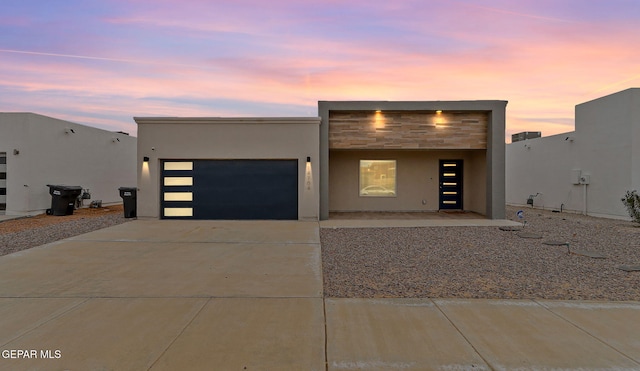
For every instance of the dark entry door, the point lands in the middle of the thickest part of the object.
(234, 189)
(451, 184)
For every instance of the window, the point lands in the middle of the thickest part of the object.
(378, 178)
(183, 165)
(178, 181)
(178, 211)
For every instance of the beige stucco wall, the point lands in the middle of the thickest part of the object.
(417, 180)
(92, 158)
(227, 138)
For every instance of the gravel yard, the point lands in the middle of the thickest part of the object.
(485, 262)
(25, 233)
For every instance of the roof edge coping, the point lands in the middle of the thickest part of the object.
(227, 120)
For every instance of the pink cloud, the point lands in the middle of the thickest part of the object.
(544, 65)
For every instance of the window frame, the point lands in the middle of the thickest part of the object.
(393, 192)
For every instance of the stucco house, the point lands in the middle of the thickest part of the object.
(587, 170)
(37, 150)
(356, 156)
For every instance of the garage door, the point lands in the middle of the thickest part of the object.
(229, 189)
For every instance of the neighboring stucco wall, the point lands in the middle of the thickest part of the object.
(604, 147)
(92, 158)
(605, 130)
(543, 166)
(417, 180)
(635, 140)
(227, 138)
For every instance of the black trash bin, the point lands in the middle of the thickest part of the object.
(128, 195)
(63, 199)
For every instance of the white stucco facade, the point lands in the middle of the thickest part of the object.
(586, 170)
(41, 150)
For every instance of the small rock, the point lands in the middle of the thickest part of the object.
(629, 268)
(555, 243)
(590, 254)
(529, 235)
(510, 228)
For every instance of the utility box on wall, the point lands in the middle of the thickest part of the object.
(575, 176)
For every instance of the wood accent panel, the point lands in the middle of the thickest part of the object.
(407, 130)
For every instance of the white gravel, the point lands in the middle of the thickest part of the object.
(16, 241)
(485, 262)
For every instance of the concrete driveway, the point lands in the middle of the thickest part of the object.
(205, 295)
(168, 295)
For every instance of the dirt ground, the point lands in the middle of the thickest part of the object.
(42, 220)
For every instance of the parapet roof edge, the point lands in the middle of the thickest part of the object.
(411, 103)
(628, 91)
(67, 122)
(414, 105)
(227, 120)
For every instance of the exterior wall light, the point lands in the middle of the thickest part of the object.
(439, 112)
(145, 159)
(378, 120)
(308, 159)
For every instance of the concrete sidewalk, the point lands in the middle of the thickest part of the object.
(203, 295)
(423, 334)
(405, 223)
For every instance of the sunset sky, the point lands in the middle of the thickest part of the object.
(101, 62)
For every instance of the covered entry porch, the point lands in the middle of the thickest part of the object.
(406, 181)
(380, 156)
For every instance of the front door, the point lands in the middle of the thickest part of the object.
(451, 184)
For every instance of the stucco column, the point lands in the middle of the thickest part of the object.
(496, 182)
(323, 112)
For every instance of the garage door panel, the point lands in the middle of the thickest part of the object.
(240, 189)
